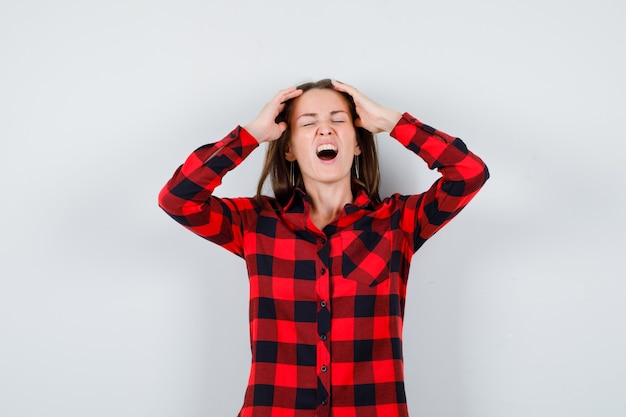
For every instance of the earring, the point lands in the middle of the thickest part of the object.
(356, 166)
(291, 175)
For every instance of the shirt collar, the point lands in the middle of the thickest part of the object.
(362, 199)
(295, 212)
(300, 198)
(296, 202)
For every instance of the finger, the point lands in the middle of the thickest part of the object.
(346, 88)
(286, 91)
(279, 96)
(283, 99)
(291, 94)
(287, 94)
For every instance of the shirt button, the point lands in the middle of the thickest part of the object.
(323, 241)
(323, 271)
(324, 369)
(324, 402)
(323, 337)
(323, 303)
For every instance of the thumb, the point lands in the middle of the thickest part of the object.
(282, 126)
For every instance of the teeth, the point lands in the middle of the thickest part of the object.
(326, 147)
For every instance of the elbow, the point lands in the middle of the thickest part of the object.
(169, 202)
(478, 174)
(471, 178)
(476, 182)
(483, 175)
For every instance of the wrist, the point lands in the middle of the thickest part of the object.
(391, 119)
(254, 132)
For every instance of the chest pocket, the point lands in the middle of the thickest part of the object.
(365, 256)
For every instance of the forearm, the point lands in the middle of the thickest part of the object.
(462, 176)
(193, 182)
(188, 195)
(448, 154)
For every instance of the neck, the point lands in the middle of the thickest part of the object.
(327, 201)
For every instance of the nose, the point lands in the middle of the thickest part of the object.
(325, 129)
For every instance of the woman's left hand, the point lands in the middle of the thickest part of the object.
(372, 116)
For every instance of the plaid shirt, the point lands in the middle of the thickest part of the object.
(326, 306)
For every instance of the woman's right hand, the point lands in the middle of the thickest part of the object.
(264, 127)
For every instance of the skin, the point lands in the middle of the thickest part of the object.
(322, 116)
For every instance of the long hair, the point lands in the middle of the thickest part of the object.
(281, 172)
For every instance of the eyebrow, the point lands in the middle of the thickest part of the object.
(332, 113)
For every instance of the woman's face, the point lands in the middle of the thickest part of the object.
(323, 137)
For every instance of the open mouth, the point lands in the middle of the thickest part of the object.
(326, 152)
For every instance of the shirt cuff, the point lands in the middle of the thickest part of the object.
(246, 138)
(410, 130)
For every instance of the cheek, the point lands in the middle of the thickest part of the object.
(298, 144)
(350, 135)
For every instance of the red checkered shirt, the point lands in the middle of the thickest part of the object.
(326, 306)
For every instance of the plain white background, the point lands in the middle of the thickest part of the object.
(109, 308)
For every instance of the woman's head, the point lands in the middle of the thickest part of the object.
(323, 109)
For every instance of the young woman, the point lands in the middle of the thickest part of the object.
(328, 260)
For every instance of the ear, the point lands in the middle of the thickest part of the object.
(357, 150)
(289, 156)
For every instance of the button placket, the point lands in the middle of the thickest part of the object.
(323, 323)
